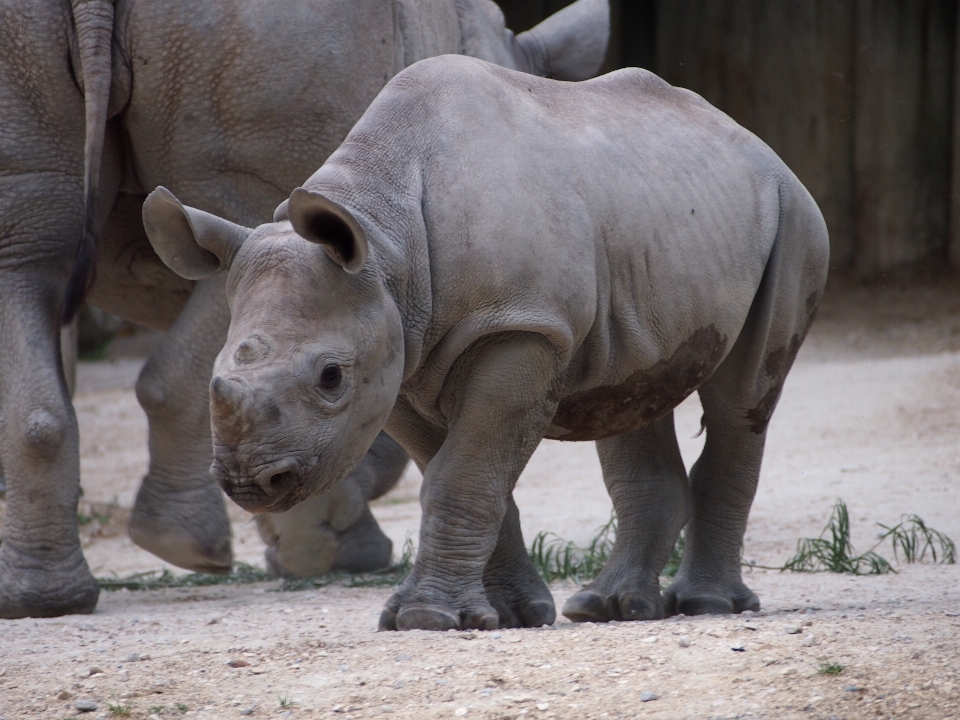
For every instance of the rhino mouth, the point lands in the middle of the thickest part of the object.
(269, 488)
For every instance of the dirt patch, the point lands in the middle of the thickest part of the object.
(870, 414)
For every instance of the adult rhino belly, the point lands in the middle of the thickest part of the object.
(646, 395)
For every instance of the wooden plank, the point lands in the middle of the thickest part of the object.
(782, 70)
(902, 137)
(954, 239)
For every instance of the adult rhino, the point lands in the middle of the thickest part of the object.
(490, 259)
(232, 105)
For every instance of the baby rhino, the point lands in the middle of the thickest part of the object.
(490, 259)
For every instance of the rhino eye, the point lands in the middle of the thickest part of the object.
(330, 377)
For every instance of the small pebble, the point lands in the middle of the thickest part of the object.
(460, 712)
(447, 697)
(123, 676)
(543, 706)
(64, 695)
(851, 688)
(133, 657)
(648, 696)
(401, 657)
(684, 641)
(810, 641)
(85, 706)
(247, 711)
(387, 709)
(154, 716)
(495, 636)
(738, 647)
(792, 630)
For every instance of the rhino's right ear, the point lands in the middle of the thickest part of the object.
(192, 243)
(319, 219)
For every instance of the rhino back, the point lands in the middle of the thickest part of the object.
(233, 104)
(626, 220)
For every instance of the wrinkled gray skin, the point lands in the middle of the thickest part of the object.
(490, 259)
(232, 105)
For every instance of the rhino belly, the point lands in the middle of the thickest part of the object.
(646, 395)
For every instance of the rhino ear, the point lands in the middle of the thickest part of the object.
(192, 243)
(282, 212)
(321, 220)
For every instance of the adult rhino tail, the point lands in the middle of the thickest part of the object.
(93, 20)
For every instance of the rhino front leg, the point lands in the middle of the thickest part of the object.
(646, 479)
(42, 569)
(498, 402)
(179, 514)
(336, 530)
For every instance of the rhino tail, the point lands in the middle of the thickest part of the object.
(569, 45)
(93, 20)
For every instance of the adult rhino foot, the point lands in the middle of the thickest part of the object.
(185, 526)
(332, 531)
(413, 608)
(610, 597)
(708, 597)
(32, 587)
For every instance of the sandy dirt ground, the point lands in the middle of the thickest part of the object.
(870, 414)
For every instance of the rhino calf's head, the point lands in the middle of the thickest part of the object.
(314, 355)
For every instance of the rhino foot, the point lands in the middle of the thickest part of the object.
(185, 526)
(707, 597)
(428, 608)
(610, 597)
(331, 531)
(29, 588)
(513, 586)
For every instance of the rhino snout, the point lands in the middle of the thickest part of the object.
(263, 489)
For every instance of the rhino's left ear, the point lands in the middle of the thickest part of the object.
(192, 243)
(318, 219)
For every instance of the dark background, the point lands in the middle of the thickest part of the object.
(857, 96)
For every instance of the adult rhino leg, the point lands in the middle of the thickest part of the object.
(179, 514)
(336, 530)
(646, 479)
(42, 569)
(738, 401)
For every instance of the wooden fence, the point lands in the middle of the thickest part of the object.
(857, 97)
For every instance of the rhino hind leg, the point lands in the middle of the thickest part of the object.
(336, 530)
(513, 586)
(646, 479)
(738, 401)
(179, 513)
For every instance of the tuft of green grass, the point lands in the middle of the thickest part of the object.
(118, 710)
(676, 557)
(833, 551)
(182, 707)
(83, 519)
(286, 702)
(559, 559)
(241, 574)
(914, 540)
(156, 709)
(830, 668)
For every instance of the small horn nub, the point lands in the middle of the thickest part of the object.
(227, 397)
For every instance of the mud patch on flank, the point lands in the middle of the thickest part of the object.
(776, 366)
(646, 395)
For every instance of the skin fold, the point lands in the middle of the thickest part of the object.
(490, 259)
(231, 105)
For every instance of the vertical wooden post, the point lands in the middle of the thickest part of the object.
(955, 159)
(902, 130)
(782, 70)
